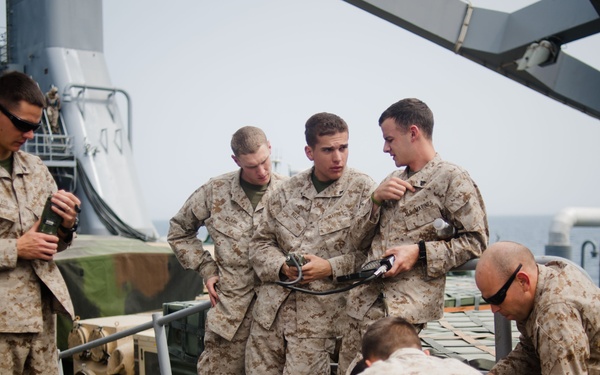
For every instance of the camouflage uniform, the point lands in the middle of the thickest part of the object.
(32, 290)
(412, 361)
(562, 333)
(294, 332)
(443, 190)
(222, 206)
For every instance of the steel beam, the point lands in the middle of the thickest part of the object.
(497, 40)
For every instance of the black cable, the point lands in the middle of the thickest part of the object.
(112, 222)
(295, 263)
(384, 265)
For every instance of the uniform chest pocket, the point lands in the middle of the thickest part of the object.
(422, 217)
(334, 223)
(9, 212)
(230, 228)
(291, 220)
(9, 216)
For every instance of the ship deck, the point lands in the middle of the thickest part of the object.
(466, 331)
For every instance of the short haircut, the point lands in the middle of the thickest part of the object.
(16, 87)
(409, 112)
(247, 140)
(323, 124)
(387, 335)
(505, 257)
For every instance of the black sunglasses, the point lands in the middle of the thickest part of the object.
(20, 124)
(499, 297)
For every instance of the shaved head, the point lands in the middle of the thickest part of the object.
(510, 287)
(504, 257)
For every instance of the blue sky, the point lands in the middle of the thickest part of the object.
(197, 70)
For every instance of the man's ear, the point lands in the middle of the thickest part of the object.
(524, 281)
(309, 153)
(414, 132)
(426, 351)
(236, 160)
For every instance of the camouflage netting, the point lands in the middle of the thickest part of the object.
(110, 275)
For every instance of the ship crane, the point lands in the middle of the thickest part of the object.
(524, 45)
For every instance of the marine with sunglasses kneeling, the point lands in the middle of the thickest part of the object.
(556, 307)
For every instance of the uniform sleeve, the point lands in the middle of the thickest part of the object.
(8, 254)
(266, 258)
(521, 360)
(562, 342)
(466, 212)
(183, 234)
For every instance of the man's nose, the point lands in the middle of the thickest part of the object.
(262, 170)
(337, 155)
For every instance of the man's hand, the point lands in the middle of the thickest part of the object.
(211, 286)
(316, 269)
(67, 206)
(405, 258)
(35, 245)
(290, 272)
(392, 189)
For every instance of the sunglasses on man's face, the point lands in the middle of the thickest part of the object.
(22, 125)
(499, 297)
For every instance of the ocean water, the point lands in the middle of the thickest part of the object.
(531, 231)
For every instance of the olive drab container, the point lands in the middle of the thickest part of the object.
(50, 219)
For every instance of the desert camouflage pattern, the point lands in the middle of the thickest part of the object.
(443, 190)
(334, 224)
(279, 350)
(22, 282)
(31, 353)
(562, 333)
(220, 205)
(225, 357)
(32, 290)
(411, 361)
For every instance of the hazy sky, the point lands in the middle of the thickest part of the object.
(197, 70)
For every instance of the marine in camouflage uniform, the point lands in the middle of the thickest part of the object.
(411, 199)
(391, 346)
(230, 216)
(410, 361)
(324, 214)
(53, 108)
(31, 286)
(556, 307)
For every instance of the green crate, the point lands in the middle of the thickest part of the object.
(185, 336)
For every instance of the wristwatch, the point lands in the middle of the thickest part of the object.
(72, 229)
(422, 252)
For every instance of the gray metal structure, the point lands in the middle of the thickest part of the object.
(523, 46)
(60, 43)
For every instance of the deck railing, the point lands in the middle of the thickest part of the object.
(502, 326)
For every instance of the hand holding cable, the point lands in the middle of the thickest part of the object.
(382, 266)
